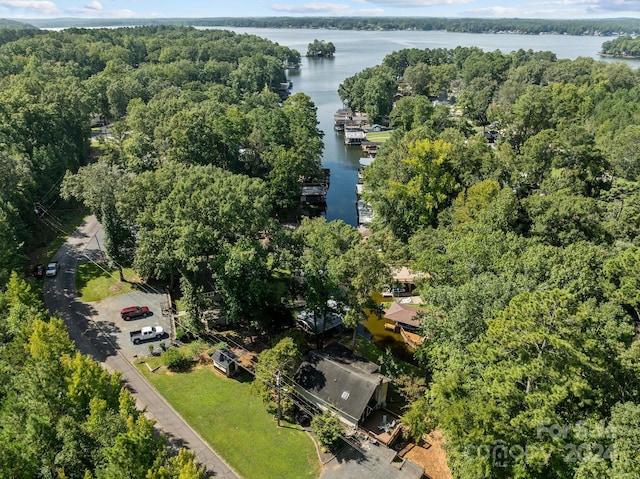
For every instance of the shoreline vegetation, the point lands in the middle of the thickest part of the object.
(625, 47)
(581, 27)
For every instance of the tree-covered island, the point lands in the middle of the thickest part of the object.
(320, 48)
(624, 46)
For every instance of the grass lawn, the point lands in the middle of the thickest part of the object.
(379, 136)
(236, 424)
(95, 283)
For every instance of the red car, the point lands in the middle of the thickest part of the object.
(38, 271)
(133, 312)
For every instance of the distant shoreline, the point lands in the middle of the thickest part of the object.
(623, 57)
(599, 27)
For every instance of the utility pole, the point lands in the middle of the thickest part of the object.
(278, 384)
(100, 249)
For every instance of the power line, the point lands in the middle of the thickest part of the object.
(52, 190)
(283, 381)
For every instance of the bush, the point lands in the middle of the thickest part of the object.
(175, 360)
(180, 333)
(195, 348)
(328, 429)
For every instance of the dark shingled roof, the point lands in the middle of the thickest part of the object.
(346, 383)
(223, 356)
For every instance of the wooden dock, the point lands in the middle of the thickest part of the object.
(314, 190)
(365, 213)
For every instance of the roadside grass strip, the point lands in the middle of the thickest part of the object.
(236, 424)
(97, 282)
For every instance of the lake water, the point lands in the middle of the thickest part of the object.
(357, 50)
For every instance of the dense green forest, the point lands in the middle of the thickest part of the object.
(603, 26)
(530, 242)
(200, 157)
(529, 234)
(624, 46)
(14, 24)
(62, 414)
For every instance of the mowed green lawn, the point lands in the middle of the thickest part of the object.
(97, 282)
(236, 424)
(379, 136)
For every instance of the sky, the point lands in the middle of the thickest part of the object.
(560, 9)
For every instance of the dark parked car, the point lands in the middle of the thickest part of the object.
(38, 271)
(133, 312)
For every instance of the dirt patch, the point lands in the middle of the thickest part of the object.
(115, 288)
(430, 456)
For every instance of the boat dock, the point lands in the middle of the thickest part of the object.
(313, 191)
(353, 137)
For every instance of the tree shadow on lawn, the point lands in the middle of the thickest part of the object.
(178, 443)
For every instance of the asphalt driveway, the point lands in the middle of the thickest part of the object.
(97, 330)
(107, 317)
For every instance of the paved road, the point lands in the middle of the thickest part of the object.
(60, 295)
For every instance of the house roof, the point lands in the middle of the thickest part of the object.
(223, 356)
(346, 383)
(403, 313)
(405, 275)
(366, 161)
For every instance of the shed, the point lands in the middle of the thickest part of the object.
(226, 361)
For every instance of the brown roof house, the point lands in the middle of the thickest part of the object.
(403, 315)
(333, 379)
(407, 320)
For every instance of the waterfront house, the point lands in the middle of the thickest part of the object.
(351, 387)
(407, 321)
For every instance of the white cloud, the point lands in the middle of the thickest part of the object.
(524, 11)
(415, 3)
(39, 6)
(95, 5)
(324, 8)
(600, 6)
(558, 9)
(94, 9)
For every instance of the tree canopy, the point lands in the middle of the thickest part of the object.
(62, 413)
(519, 209)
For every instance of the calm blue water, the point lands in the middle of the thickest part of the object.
(355, 51)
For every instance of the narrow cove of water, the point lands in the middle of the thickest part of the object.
(320, 78)
(385, 338)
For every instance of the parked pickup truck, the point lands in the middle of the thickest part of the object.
(133, 312)
(52, 269)
(147, 334)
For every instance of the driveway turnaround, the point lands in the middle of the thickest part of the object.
(98, 331)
